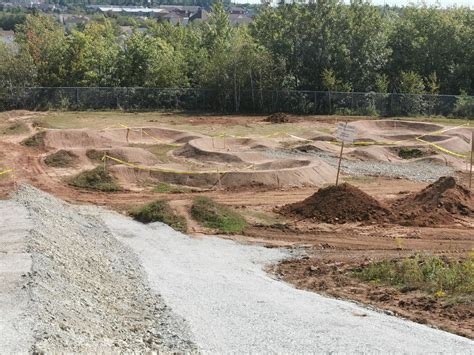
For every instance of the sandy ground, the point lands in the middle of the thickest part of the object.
(15, 262)
(231, 304)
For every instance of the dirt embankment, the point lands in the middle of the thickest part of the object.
(333, 277)
(441, 203)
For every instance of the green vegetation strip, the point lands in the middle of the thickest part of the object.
(159, 211)
(216, 216)
(95, 179)
(431, 274)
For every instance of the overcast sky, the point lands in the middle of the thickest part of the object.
(442, 3)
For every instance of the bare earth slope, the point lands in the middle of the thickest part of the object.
(232, 305)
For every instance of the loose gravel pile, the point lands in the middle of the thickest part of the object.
(88, 291)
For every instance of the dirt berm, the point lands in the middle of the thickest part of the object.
(443, 202)
(339, 204)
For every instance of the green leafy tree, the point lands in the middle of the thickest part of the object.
(16, 69)
(44, 40)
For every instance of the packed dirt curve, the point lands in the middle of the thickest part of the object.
(403, 192)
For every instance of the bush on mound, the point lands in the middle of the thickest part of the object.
(278, 117)
(216, 216)
(60, 159)
(339, 204)
(159, 211)
(36, 140)
(96, 179)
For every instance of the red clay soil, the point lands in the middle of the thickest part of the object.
(334, 278)
(339, 204)
(443, 202)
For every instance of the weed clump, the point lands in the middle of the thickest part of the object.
(36, 140)
(160, 211)
(60, 159)
(431, 274)
(15, 128)
(163, 187)
(95, 179)
(410, 153)
(216, 216)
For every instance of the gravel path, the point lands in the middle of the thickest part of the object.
(87, 291)
(15, 262)
(416, 170)
(232, 305)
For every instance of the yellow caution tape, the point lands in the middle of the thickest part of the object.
(164, 170)
(145, 132)
(444, 150)
(6, 171)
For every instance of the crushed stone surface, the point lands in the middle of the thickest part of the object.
(88, 292)
(232, 305)
(415, 171)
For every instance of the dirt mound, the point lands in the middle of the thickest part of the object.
(439, 203)
(339, 204)
(278, 117)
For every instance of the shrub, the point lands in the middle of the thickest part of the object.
(216, 216)
(60, 159)
(409, 153)
(426, 273)
(160, 211)
(95, 179)
(36, 140)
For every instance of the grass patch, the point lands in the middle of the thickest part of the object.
(410, 153)
(160, 211)
(431, 274)
(95, 179)
(163, 187)
(15, 128)
(216, 216)
(36, 140)
(160, 151)
(60, 159)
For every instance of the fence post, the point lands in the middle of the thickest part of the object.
(314, 102)
(330, 104)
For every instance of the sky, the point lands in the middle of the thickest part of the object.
(442, 3)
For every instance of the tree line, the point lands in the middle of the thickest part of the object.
(325, 45)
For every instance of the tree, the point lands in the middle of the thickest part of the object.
(16, 69)
(150, 61)
(43, 40)
(93, 56)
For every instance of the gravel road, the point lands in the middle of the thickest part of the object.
(232, 305)
(78, 289)
(411, 170)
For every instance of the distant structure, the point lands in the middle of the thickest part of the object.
(175, 14)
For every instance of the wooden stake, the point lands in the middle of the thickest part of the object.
(219, 179)
(339, 164)
(472, 150)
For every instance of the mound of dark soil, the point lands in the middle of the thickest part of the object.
(278, 117)
(339, 204)
(439, 203)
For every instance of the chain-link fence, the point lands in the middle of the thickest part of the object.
(255, 101)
